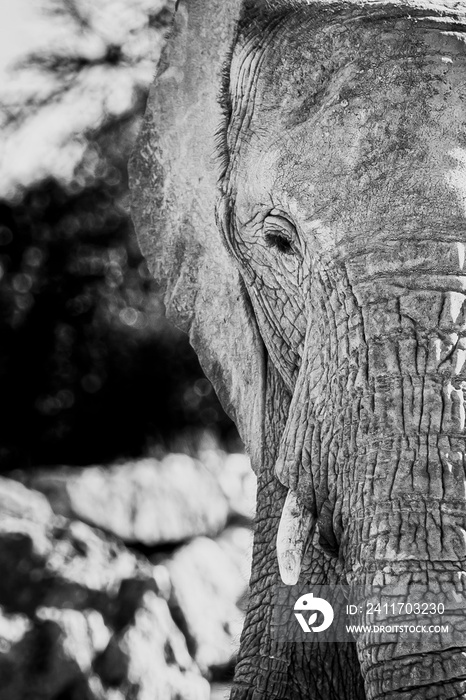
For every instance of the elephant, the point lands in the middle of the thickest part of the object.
(299, 193)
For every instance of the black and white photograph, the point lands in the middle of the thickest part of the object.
(233, 349)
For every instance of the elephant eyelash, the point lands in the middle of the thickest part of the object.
(277, 240)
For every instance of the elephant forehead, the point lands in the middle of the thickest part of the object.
(289, 71)
(385, 129)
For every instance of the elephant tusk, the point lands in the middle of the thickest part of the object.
(294, 530)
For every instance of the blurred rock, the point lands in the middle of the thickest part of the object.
(148, 501)
(220, 691)
(13, 629)
(90, 561)
(207, 584)
(162, 580)
(25, 523)
(25, 517)
(149, 660)
(17, 501)
(236, 542)
(82, 634)
(83, 618)
(47, 561)
(129, 599)
(54, 656)
(238, 483)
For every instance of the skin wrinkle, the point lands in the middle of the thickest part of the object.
(245, 97)
(266, 308)
(281, 670)
(376, 407)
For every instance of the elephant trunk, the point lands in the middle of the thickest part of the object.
(380, 464)
(403, 527)
(401, 537)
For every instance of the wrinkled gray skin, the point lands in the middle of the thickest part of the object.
(343, 203)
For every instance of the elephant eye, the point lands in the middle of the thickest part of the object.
(279, 233)
(275, 239)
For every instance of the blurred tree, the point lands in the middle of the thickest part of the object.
(89, 368)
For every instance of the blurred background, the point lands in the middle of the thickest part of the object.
(108, 377)
(126, 502)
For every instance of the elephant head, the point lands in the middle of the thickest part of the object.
(331, 318)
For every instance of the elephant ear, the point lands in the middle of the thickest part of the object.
(173, 177)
